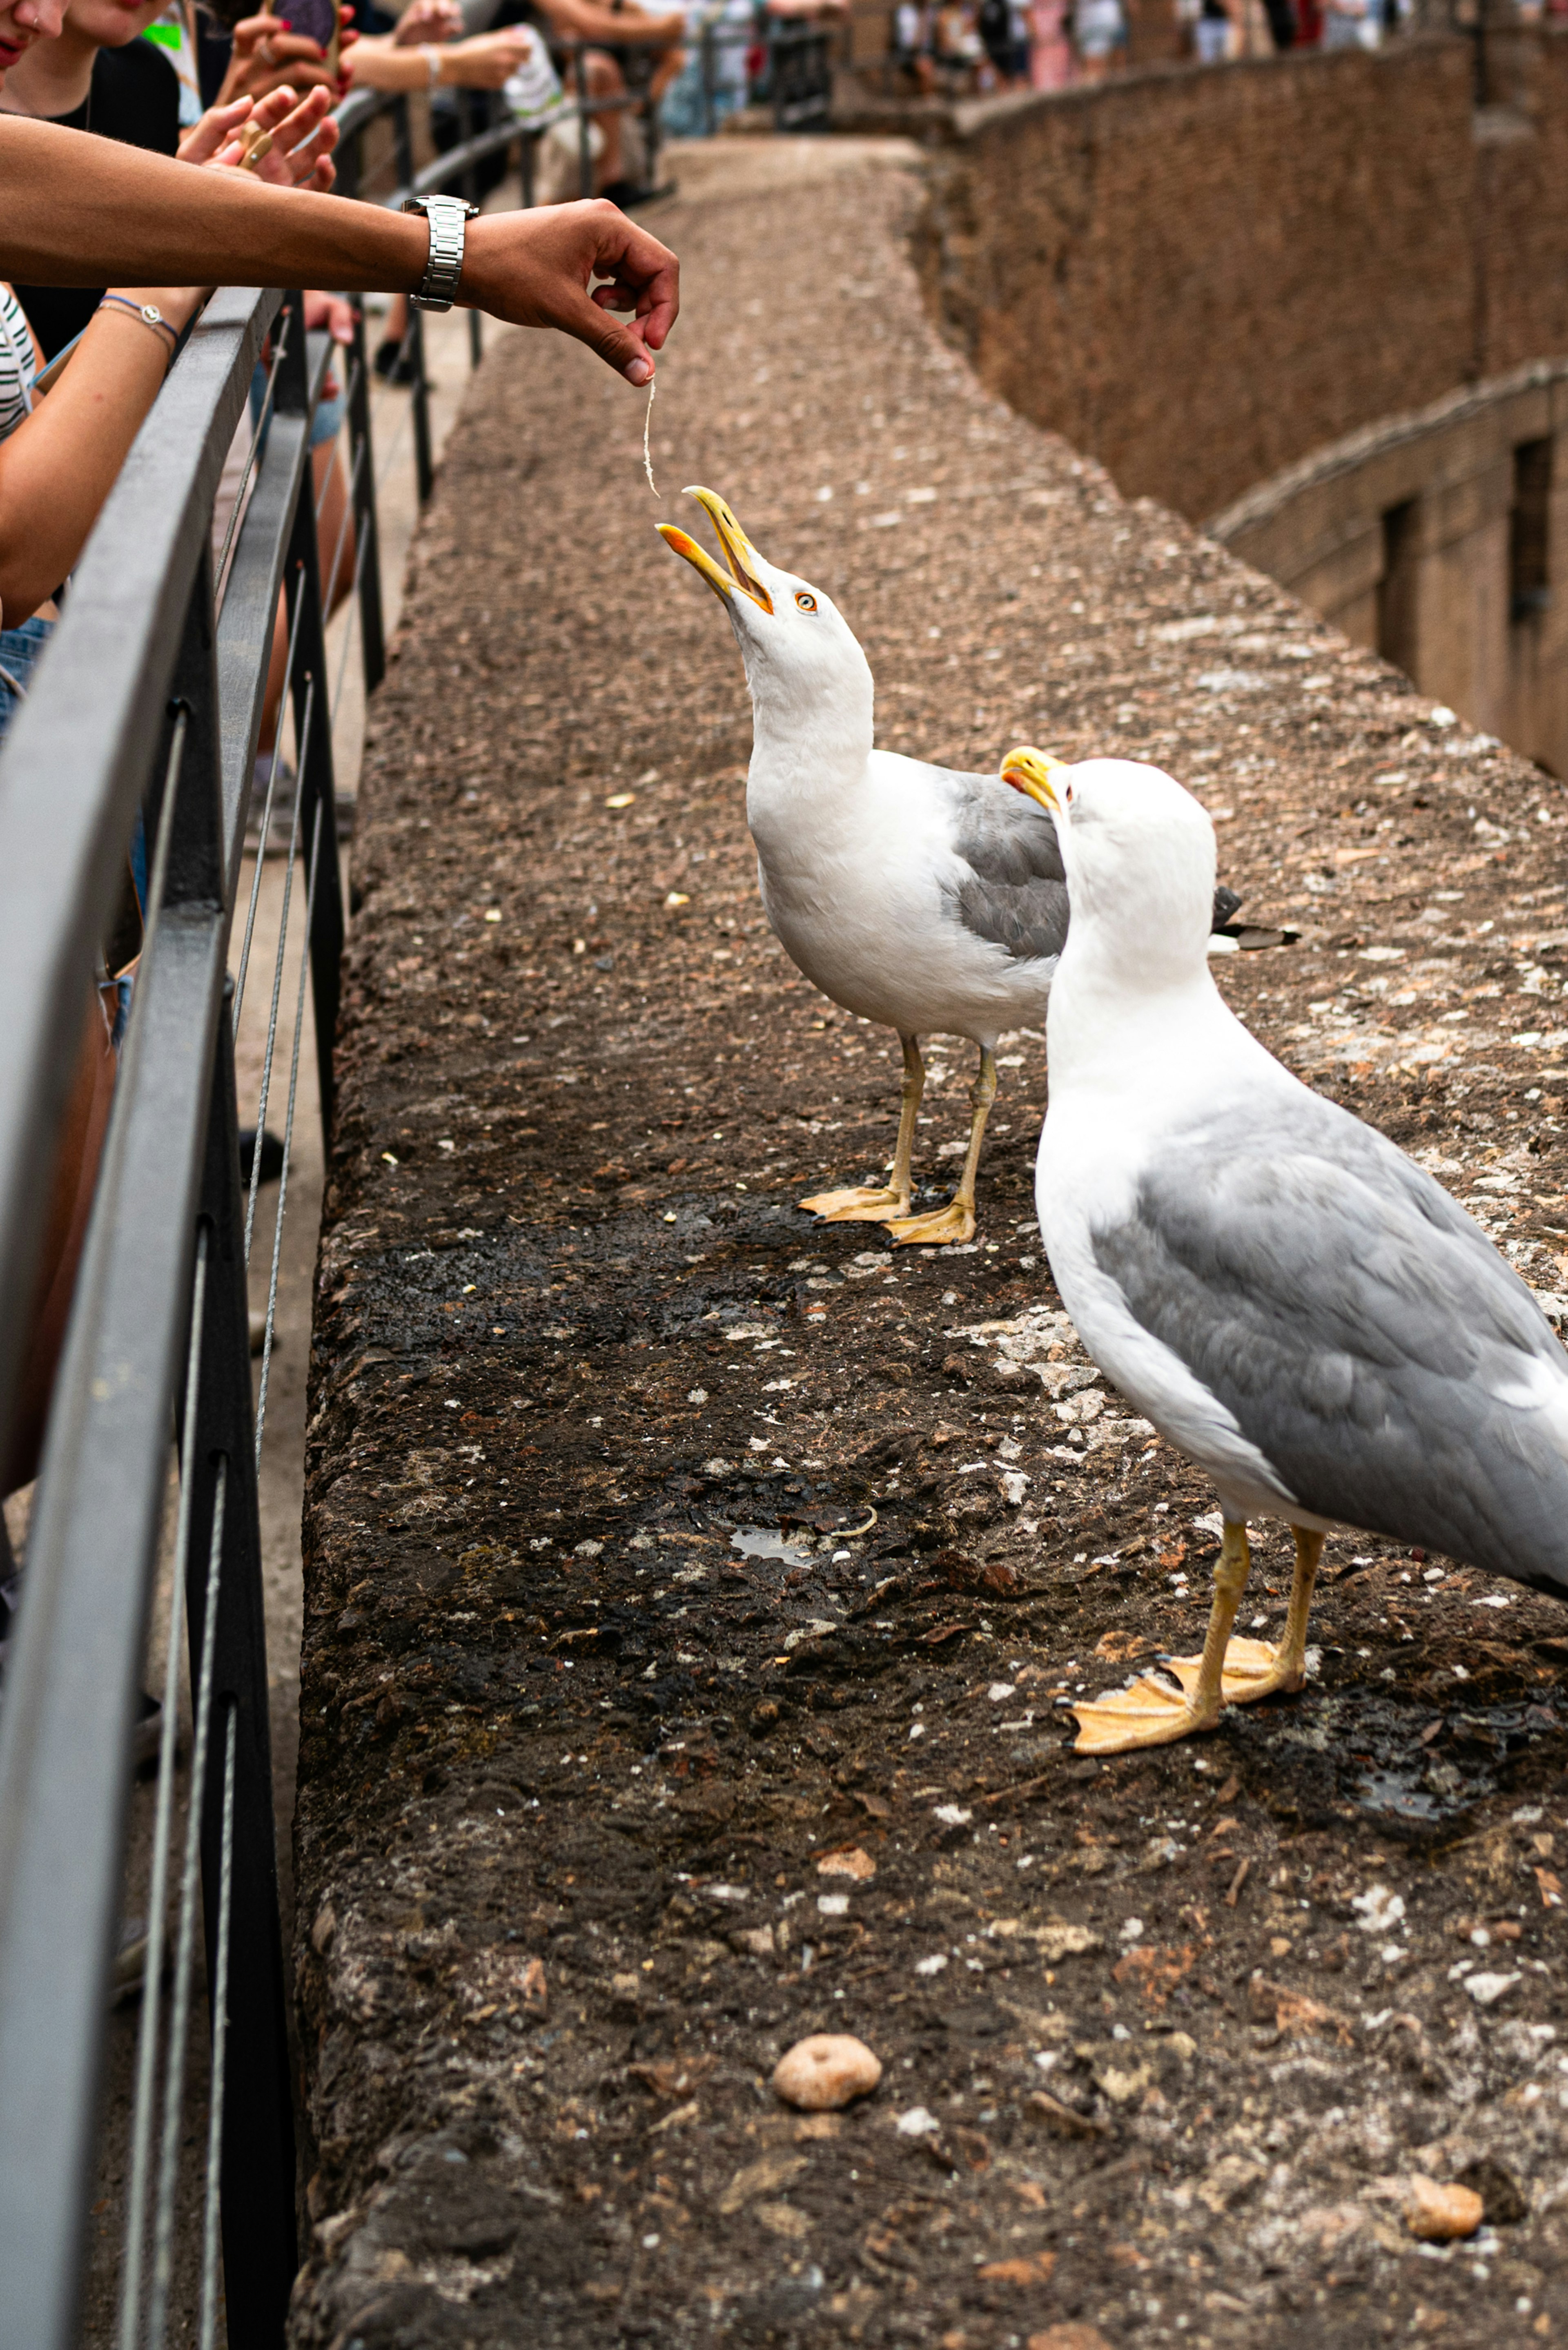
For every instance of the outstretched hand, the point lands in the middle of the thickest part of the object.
(303, 137)
(265, 55)
(536, 267)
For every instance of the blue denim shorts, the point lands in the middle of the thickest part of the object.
(19, 651)
(325, 425)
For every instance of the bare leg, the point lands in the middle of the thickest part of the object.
(1255, 1668)
(871, 1206)
(70, 1204)
(956, 1221)
(1151, 1714)
(332, 497)
(605, 81)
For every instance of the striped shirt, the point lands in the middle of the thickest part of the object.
(15, 363)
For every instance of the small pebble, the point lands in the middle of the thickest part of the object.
(831, 2069)
(856, 1864)
(1436, 2214)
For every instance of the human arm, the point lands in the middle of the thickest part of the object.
(485, 62)
(84, 211)
(428, 20)
(587, 20)
(59, 464)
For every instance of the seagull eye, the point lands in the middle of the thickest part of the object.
(806, 603)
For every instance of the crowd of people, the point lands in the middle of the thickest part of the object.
(969, 48)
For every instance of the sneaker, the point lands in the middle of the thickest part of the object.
(130, 1973)
(10, 1593)
(393, 364)
(148, 1739)
(271, 1155)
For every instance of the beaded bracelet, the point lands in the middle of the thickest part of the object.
(149, 316)
(433, 67)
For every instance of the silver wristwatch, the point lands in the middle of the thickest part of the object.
(446, 216)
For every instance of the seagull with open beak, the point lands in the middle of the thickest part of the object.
(927, 900)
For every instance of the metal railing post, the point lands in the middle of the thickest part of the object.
(585, 128)
(473, 109)
(403, 140)
(72, 1680)
(308, 686)
(419, 400)
(261, 2251)
(367, 533)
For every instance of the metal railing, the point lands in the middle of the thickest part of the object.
(147, 701)
(147, 705)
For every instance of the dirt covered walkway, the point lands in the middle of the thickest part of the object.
(631, 1748)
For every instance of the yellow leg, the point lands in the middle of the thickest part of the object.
(1255, 1668)
(1151, 1714)
(956, 1221)
(871, 1206)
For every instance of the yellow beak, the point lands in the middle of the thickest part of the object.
(743, 577)
(1031, 772)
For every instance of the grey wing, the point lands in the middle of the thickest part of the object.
(1363, 1332)
(1011, 889)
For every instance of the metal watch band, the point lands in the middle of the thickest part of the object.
(446, 217)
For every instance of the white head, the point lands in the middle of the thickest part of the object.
(1139, 852)
(807, 675)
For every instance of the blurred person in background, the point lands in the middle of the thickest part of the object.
(1211, 32)
(1004, 35)
(1099, 36)
(601, 73)
(713, 80)
(912, 46)
(1052, 64)
(1352, 24)
(956, 47)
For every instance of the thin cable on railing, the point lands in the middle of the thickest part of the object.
(363, 549)
(287, 1127)
(218, 2005)
(280, 343)
(147, 2036)
(190, 1896)
(277, 967)
(266, 808)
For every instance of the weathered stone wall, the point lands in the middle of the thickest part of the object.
(1199, 276)
(1521, 230)
(1405, 536)
(601, 1807)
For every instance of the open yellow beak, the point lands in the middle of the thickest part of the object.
(743, 577)
(1031, 772)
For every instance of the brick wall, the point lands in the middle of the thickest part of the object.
(1200, 277)
(1521, 232)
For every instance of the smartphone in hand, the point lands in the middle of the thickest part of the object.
(317, 20)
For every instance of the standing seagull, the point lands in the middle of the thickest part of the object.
(925, 899)
(1281, 1292)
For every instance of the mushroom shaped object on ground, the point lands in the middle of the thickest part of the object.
(828, 2070)
(1435, 2213)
